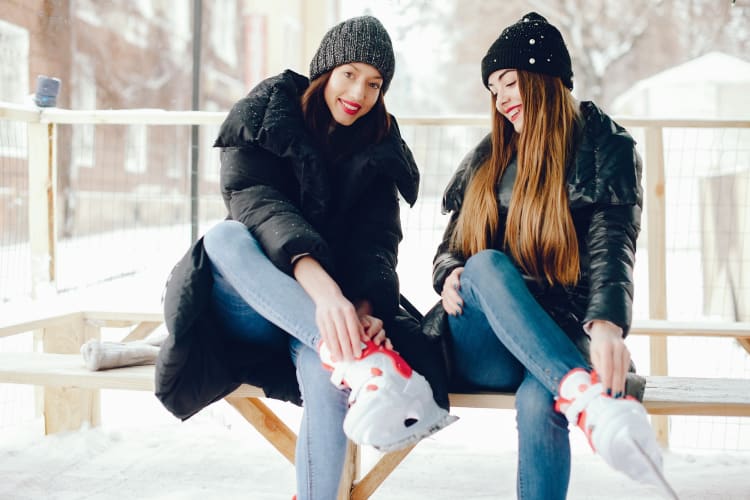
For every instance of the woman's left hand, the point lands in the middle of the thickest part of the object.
(610, 356)
(374, 331)
(373, 326)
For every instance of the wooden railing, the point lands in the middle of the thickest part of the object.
(42, 170)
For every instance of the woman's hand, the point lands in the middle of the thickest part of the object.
(610, 356)
(374, 331)
(340, 326)
(337, 319)
(452, 302)
(373, 326)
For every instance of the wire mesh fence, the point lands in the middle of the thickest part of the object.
(123, 207)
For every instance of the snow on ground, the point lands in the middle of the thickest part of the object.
(147, 454)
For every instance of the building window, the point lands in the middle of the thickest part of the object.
(224, 30)
(14, 86)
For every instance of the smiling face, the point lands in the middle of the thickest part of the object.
(352, 91)
(503, 84)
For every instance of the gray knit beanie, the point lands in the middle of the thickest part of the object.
(359, 39)
(531, 44)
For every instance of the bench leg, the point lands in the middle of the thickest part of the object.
(380, 471)
(265, 421)
(268, 424)
(659, 366)
(349, 475)
(67, 408)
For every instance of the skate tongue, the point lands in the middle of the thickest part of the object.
(656, 478)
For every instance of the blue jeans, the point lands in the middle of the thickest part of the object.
(505, 341)
(257, 303)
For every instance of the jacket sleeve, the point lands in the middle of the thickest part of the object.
(445, 260)
(611, 241)
(254, 184)
(369, 252)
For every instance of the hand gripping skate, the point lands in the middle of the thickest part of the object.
(617, 429)
(390, 405)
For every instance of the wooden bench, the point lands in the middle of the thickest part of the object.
(71, 394)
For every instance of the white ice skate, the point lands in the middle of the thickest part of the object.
(617, 429)
(390, 406)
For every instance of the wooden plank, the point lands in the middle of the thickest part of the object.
(379, 473)
(142, 331)
(267, 423)
(69, 370)
(61, 370)
(350, 472)
(123, 317)
(488, 400)
(697, 396)
(11, 324)
(668, 328)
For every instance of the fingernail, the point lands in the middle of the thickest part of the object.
(618, 395)
(609, 392)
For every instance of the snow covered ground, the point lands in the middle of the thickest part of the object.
(142, 452)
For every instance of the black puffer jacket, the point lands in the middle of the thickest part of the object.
(605, 194)
(276, 181)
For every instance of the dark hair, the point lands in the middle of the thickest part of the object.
(369, 129)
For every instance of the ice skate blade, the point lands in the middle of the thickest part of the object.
(418, 434)
(661, 482)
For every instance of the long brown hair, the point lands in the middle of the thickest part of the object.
(371, 128)
(539, 231)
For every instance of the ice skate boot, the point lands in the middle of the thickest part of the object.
(617, 429)
(390, 405)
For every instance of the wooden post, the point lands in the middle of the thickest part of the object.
(42, 158)
(657, 253)
(67, 408)
(349, 475)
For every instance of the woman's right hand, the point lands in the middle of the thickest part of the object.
(335, 316)
(451, 299)
(339, 326)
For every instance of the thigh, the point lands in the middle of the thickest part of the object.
(240, 321)
(479, 358)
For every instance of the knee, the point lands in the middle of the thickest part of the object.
(223, 231)
(489, 263)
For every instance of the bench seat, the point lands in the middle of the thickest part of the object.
(663, 395)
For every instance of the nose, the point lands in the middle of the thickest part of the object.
(500, 100)
(358, 91)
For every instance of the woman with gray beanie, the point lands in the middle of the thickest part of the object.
(297, 291)
(535, 270)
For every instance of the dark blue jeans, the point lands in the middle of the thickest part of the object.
(505, 341)
(259, 304)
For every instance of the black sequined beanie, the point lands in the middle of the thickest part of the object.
(532, 44)
(360, 39)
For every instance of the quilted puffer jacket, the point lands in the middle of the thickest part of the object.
(606, 198)
(295, 198)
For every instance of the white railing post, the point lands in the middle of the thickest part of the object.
(657, 253)
(42, 160)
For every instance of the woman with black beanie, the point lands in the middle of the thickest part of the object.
(535, 270)
(301, 278)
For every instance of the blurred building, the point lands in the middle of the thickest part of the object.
(124, 54)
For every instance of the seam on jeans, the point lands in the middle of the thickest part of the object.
(306, 424)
